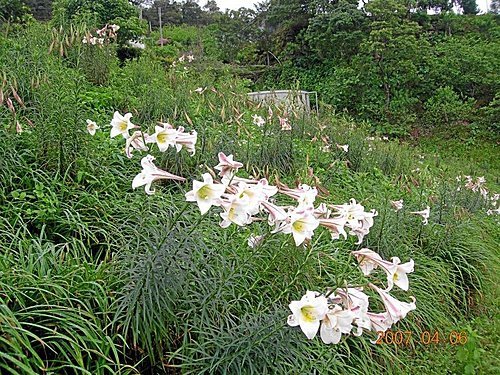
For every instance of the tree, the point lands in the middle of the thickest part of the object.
(191, 13)
(336, 31)
(469, 6)
(12, 10)
(211, 7)
(495, 7)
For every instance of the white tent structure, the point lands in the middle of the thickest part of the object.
(295, 98)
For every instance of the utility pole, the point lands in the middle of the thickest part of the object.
(161, 28)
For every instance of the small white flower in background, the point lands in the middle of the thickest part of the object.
(19, 128)
(227, 166)
(181, 59)
(370, 138)
(255, 241)
(206, 194)
(285, 125)
(102, 31)
(385, 138)
(494, 199)
(345, 148)
(190, 58)
(425, 215)
(492, 212)
(308, 313)
(114, 27)
(164, 136)
(397, 205)
(396, 309)
(151, 173)
(135, 142)
(200, 90)
(121, 125)
(336, 322)
(258, 120)
(91, 127)
(84, 40)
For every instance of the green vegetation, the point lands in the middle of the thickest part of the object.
(98, 278)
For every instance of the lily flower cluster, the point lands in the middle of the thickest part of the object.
(165, 136)
(103, 36)
(346, 310)
(478, 185)
(182, 59)
(242, 199)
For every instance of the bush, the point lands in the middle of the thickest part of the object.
(445, 108)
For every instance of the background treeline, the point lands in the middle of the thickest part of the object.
(404, 66)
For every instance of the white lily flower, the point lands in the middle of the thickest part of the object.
(135, 142)
(254, 241)
(322, 211)
(424, 213)
(357, 220)
(227, 166)
(150, 173)
(380, 322)
(164, 137)
(345, 148)
(277, 215)
(121, 125)
(369, 260)
(206, 194)
(302, 224)
(400, 275)
(285, 125)
(258, 120)
(254, 195)
(397, 273)
(397, 205)
(356, 301)
(305, 195)
(187, 140)
(92, 127)
(335, 225)
(336, 322)
(397, 309)
(235, 211)
(308, 313)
